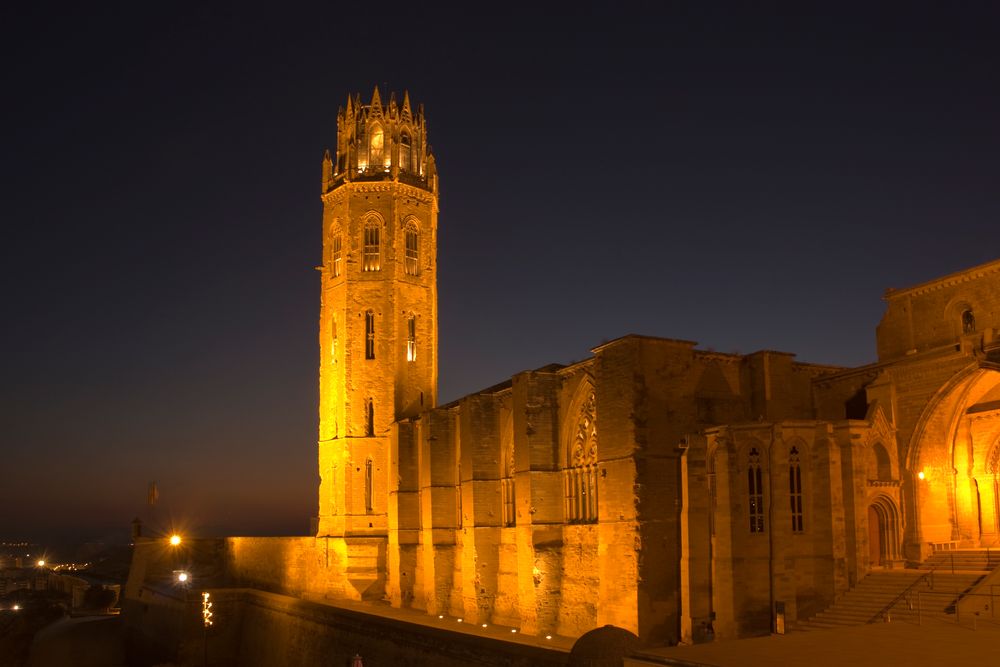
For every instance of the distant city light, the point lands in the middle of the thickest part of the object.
(182, 577)
(175, 539)
(16, 607)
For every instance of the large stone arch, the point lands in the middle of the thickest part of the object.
(947, 464)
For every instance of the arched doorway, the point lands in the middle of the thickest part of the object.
(883, 532)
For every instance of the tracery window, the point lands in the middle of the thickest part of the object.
(371, 257)
(755, 492)
(404, 151)
(580, 477)
(411, 338)
(369, 335)
(412, 240)
(795, 489)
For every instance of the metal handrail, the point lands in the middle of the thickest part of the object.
(881, 614)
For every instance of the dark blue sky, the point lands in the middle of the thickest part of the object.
(746, 177)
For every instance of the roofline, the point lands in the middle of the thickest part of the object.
(948, 280)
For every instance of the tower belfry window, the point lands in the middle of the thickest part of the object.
(404, 151)
(795, 489)
(375, 148)
(412, 261)
(369, 335)
(371, 260)
(755, 492)
(411, 338)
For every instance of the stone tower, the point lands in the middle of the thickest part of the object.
(378, 317)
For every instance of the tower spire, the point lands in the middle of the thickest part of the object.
(407, 115)
(376, 106)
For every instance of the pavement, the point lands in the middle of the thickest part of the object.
(934, 642)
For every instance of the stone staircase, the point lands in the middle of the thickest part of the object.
(913, 595)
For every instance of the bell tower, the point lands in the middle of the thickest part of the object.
(378, 313)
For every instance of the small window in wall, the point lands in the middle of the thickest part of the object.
(336, 254)
(333, 340)
(968, 321)
(411, 338)
(412, 260)
(404, 151)
(369, 335)
(372, 256)
(369, 486)
(795, 489)
(370, 418)
(755, 492)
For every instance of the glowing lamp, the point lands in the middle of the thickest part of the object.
(175, 539)
(182, 577)
(41, 563)
(920, 475)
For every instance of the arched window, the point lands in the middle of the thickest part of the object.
(411, 338)
(880, 465)
(371, 259)
(404, 151)
(370, 418)
(580, 477)
(795, 489)
(755, 492)
(369, 335)
(336, 252)
(968, 321)
(375, 140)
(412, 261)
(369, 486)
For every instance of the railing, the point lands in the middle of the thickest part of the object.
(883, 614)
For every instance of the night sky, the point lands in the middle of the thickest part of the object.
(748, 178)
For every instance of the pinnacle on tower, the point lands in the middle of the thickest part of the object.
(407, 114)
(392, 104)
(350, 107)
(376, 106)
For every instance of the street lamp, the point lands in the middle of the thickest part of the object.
(175, 540)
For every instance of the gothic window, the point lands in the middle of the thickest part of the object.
(404, 151)
(375, 139)
(370, 418)
(755, 492)
(968, 321)
(795, 489)
(412, 262)
(369, 335)
(336, 254)
(580, 477)
(333, 340)
(369, 486)
(372, 246)
(411, 338)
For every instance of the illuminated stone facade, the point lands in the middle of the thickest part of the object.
(678, 493)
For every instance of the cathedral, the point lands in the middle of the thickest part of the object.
(681, 494)
(667, 490)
